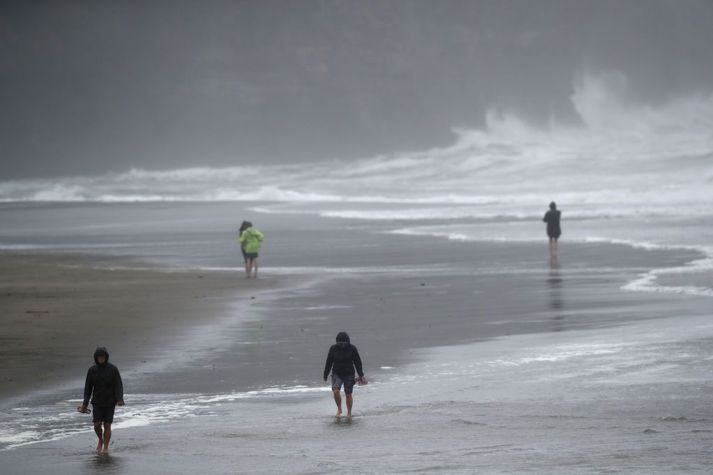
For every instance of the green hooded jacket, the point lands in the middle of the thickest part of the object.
(251, 240)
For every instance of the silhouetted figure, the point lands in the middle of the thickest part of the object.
(103, 385)
(343, 357)
(552, 218)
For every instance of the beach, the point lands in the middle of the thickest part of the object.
(56, 310)
(505, 206)
(480, 354)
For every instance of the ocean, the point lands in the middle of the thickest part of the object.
(483, 353)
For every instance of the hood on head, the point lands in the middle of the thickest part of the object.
(101, 351)
(342, 337)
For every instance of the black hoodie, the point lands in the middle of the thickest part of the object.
(342, 358)
(103, 383)
(552, 218)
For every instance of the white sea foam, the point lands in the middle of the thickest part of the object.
(519, 232)
(628, 354)
(649, 281)
(623, 161)
(60, 420)
(641, 158)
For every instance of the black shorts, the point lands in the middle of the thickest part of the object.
(103, 413)
(347, 381)
(251, 255)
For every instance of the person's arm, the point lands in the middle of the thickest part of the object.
(544, 220)
(241, 238)
(88, 388)
(259, 235)
(328, 364)
(357, 363)
(118, 388)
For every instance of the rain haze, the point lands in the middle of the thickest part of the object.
(90, 87)
(506, 205)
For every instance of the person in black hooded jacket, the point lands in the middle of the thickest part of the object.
(554, 231)
(343, 357)
(104, 387)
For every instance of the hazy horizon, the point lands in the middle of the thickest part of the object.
(95, 87)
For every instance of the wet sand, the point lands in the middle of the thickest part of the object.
(629, 399)
(394, 314)
(55, 310)
(191, 332)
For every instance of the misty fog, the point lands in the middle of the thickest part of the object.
(90, 87)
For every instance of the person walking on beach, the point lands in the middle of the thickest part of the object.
(250, 240)
(552, 218)
(106, 390)
(342, 358)
(243, 226)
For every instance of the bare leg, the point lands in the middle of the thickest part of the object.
(350, 403)
(248, 268)
(100, 435)
(107, 437)
(255, 264)
(338, 401)
(554, 247)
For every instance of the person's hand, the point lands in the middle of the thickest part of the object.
(83, 409)
(120, 403)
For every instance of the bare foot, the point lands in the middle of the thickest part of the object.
(349, 416)
(105, 449)
(99, 446)
(339, 413)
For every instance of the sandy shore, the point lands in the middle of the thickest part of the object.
(55, 310)
(215, 377)
(188, 332)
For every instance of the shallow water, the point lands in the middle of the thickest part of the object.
(482, 355)
(632, 399)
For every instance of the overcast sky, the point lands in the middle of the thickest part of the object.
(95, 86)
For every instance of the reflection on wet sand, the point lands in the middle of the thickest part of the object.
(103, 463)
(554, 282)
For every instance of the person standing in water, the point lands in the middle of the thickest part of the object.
(342, 358)
(552, 218)
(106, 390)
(243, 226)
(251, 240)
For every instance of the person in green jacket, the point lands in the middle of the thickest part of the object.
(250, 241)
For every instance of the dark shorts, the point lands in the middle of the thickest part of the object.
(103, 413)
(251, 255)
(347, 381)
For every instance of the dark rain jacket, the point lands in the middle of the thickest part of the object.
(342, 359)
(103, 384)
(552, 218)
